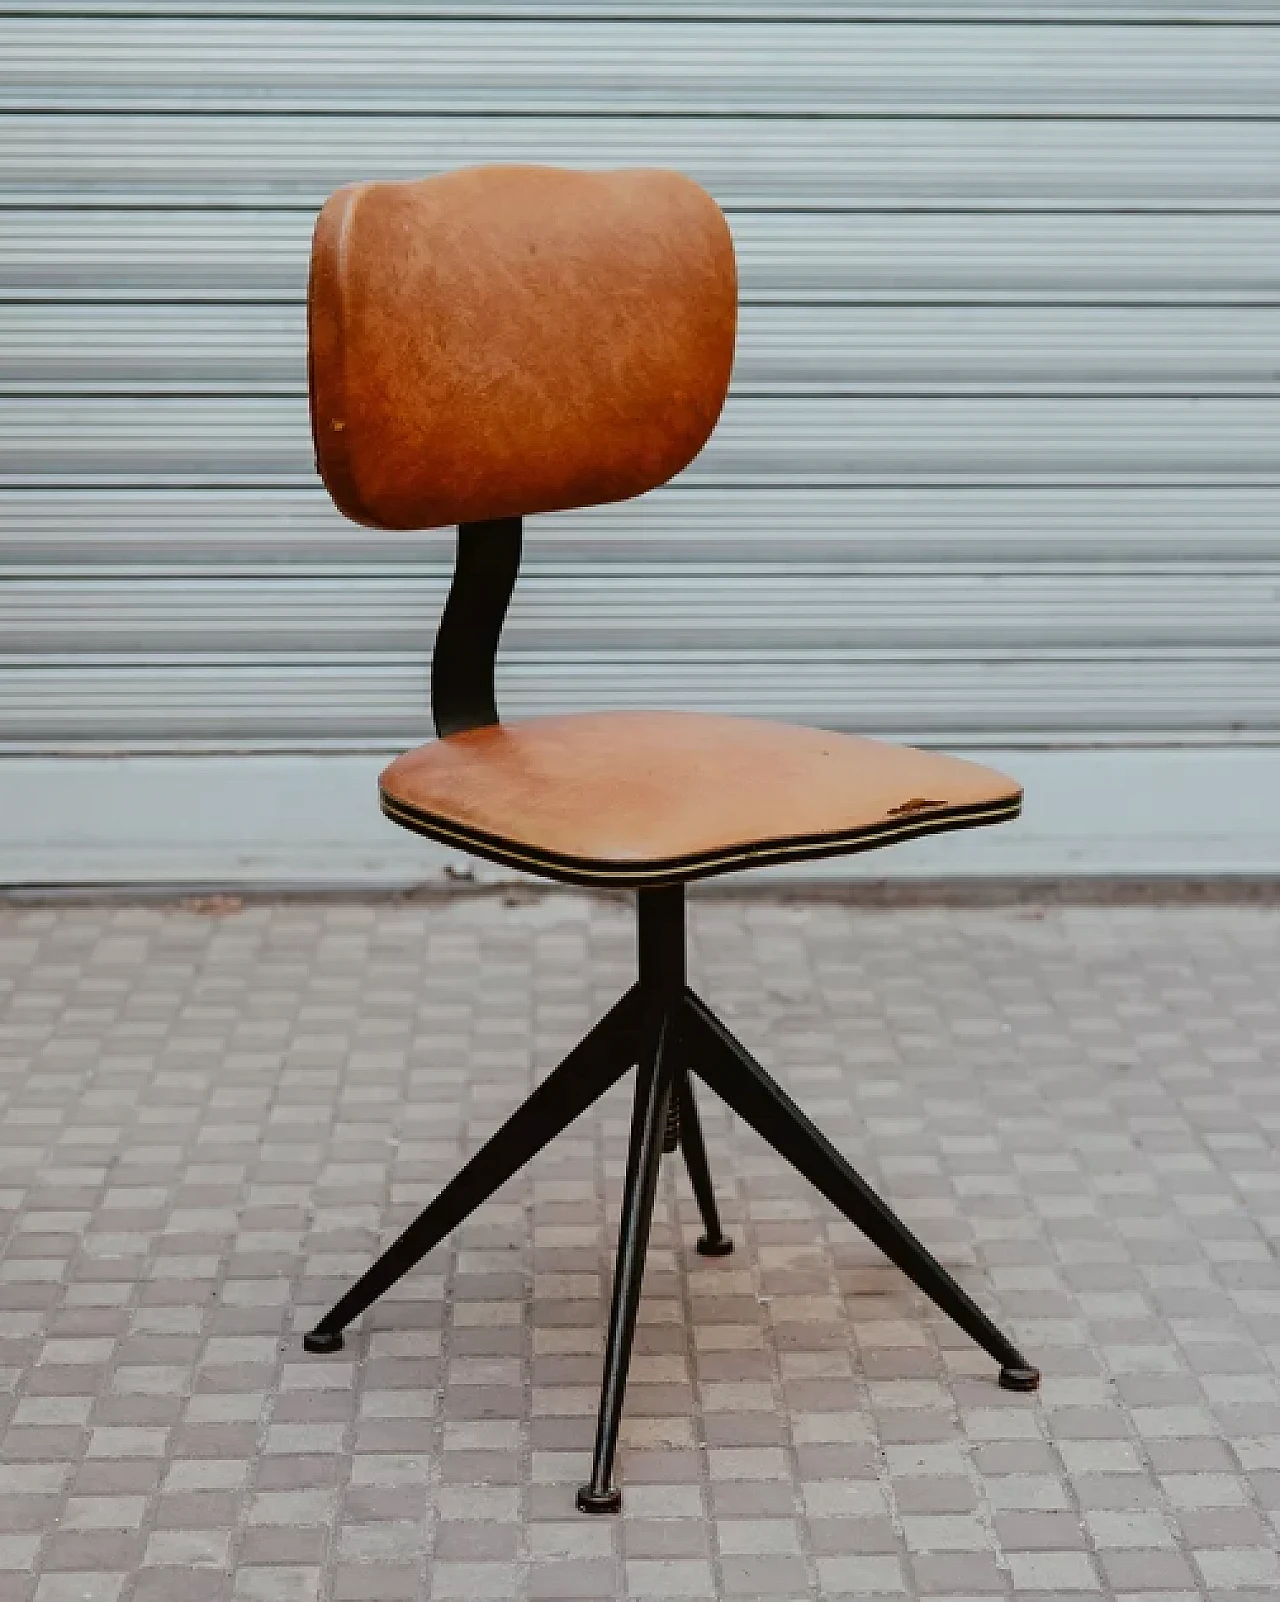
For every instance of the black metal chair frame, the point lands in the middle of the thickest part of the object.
(659, 1025)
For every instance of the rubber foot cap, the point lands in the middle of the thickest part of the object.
(320, 1342)
(590, 1501)
(715, 1248)
(1020, 1379)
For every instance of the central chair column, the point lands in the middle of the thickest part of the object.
(661, 934)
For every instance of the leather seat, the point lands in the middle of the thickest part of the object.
(641, 798)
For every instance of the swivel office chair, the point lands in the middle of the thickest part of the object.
(503, 341)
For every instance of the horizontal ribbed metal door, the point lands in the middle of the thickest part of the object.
(1002, 460)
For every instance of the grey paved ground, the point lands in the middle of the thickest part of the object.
(210, 1119)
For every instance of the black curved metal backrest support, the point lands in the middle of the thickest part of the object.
(462, 664)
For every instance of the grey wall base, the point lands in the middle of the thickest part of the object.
(313, 820)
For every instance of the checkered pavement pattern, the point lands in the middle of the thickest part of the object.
(212, 1116)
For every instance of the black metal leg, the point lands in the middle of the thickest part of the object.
(596, 1062)
(644, 1155)
(735, 1076)
(714, 1242)
(660, 943)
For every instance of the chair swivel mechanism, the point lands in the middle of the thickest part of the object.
(503, 341)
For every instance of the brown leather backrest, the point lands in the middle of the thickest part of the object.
(507, 340)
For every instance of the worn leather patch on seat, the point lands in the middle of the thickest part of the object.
(507, 340)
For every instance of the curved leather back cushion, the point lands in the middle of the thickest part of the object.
(508, 340)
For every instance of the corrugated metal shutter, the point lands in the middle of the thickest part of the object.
(1002, 461)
